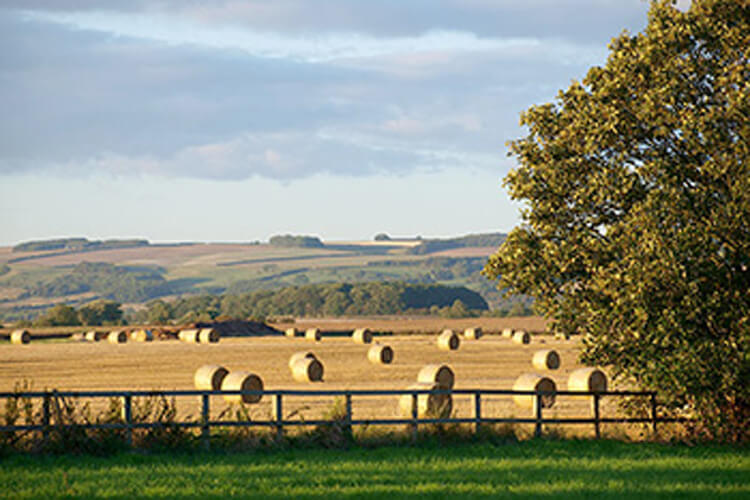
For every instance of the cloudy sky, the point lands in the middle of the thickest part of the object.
(235, 120)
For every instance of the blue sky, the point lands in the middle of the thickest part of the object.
(236, 120)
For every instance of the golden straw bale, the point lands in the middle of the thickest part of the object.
(428, 405)
(521, 337)
(117, 337)
(448, 341)
(587, 380)
(312, 334)
(141, 336)
(92, 336)
(473, 333)
(441, 375)
(20, 337)
(380, 354)
(242, 381)
(507, 333)
(191, 335)
(561, 336)
(300, 355)
(307, 370)
(291, 332)
(546, 359)
(362, 336)
(534, 382)
(209, 377)
(208, 336)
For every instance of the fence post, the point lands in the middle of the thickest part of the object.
(538, 415)
(128, 408)
(279, 416)
(414, 416)
(205, 425)
(653, 411)
(348, 422)
(597, 430)
(477, 412)
(45, 418)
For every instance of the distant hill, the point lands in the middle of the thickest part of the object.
(472, 240)
(77, 244)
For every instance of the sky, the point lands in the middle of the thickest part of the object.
(233, 120)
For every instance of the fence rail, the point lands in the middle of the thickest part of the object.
(279, 423)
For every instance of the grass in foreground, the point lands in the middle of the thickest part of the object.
(531, 469)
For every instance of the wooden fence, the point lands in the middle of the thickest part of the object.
(205, 424)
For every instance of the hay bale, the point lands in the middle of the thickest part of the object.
(507, 333)
(546, 359)
(534, 382)
(300, 355)
(209, 377)
(312, 334)
(77, 337)
(291, 332)
(117, 337)
(587, 380)
(473, 333)
(242, 381)
(141, 336)
(441, 375)
(362, 336)
(92, 336)
(521, 337)
(307, 370)
(448, 341)
(208, 336)
(561, 336)
(20, 337)
(380, 354)
(191, 336)
(428, 405)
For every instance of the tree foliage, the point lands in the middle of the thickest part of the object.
(636, 230)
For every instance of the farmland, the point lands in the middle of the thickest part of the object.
(37, 279)
(492, 362)
(535, 469)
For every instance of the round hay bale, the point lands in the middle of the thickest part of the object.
(117, 337)
(191, 336)
(209, 377)
(307, 370)
(561, 336)
(380, 354)
(428, 405)
(208, 336)
(92, 336)
(242, 381)
(362, 336)
(300, 355)
(312, 334)
(473, 333)
(20, 337)
(441, 375)
(587, 380)
(291, 332)
(546, 359)
(141, 336)
(521, 337)
(77, 337)
(534, 382)
(507, 333)
(448, 341)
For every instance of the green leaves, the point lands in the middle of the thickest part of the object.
(637, 228)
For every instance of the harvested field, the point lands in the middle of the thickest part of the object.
(489, 363)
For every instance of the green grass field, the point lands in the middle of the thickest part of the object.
(530, 469)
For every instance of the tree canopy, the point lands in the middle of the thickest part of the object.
(636, 227)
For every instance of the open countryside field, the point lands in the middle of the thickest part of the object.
(491, 362)
(534, 469)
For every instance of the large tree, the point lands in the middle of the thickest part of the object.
(636, 226)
